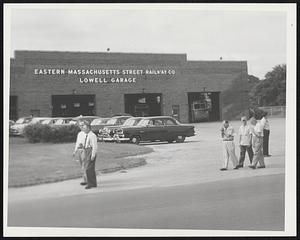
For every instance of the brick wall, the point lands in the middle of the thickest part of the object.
(35, 91)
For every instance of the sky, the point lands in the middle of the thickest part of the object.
(259, 37)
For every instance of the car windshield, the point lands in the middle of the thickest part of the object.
(73, 122)
(99, 121)
(177, 121)
(143, 122)
(112, 121)
(131, 122)
(47, 121)
(23, 120)
(59, 121)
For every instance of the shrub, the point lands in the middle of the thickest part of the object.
(45, 133)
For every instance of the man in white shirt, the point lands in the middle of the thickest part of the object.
(79, 149)
(266, 125)
(88, 154)
(245, 138)
(257, 144)
(227, 134)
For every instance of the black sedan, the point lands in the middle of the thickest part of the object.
(159, 128)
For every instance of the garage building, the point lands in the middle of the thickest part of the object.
(63, 84)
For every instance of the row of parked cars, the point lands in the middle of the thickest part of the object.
(121, 128)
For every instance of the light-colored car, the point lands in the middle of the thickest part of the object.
(11, 122)
(18, 128)
(75, 120)
(49, 121)
(62, 122)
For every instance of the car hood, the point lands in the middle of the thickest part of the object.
(18, 126)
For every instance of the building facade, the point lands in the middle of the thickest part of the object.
(63, 84)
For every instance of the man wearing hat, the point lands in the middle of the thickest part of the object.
(245, 138)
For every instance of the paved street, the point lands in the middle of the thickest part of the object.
(181, 187)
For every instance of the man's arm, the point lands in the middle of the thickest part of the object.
(94, 144)
(77, 143)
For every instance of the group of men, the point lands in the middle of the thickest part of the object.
(253, 139)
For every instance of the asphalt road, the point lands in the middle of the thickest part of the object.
(181, 187)
(247, 204)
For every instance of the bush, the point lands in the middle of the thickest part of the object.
(45, 133)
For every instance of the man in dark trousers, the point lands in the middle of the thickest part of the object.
(89, 155)
(245, 139)
(266, 125)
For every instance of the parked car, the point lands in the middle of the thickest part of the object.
(62, 122)
(18, 128)
(75, 120)
(11, 122)
(114, 121)
(98, 124)
(111, 133)
(159, 128)
(49, 121)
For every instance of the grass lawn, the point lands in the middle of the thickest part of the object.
(31, 164)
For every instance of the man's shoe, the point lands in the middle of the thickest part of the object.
(88, 187)
(223, 169)
(83, 183)
(252, 167)
(261, 167)
(235, 168)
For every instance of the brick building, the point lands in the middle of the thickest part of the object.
(51, 83)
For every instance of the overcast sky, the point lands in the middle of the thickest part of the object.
(258, 37)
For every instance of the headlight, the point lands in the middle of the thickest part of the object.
(119, 131)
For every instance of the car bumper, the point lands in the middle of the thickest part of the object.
(114, 139)
(14, 133)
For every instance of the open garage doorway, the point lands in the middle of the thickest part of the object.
(143, 104)
(73, 105)
(204, 106)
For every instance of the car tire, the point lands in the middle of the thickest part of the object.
(170, 140)
(180, 139)
(135, 139)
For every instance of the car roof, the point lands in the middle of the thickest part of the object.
(81, 117)
(122, 116)
(158, 117)
(136, 117)
(41, 118)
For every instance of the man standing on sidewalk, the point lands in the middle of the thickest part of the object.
(266, 125)
(227, 133)
(257, 144)
(79, 150)
(245, 139)
(90, 147)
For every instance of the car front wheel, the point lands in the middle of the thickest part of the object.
(180, 139)
(135, 139)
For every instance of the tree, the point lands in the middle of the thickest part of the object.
(272, 90)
